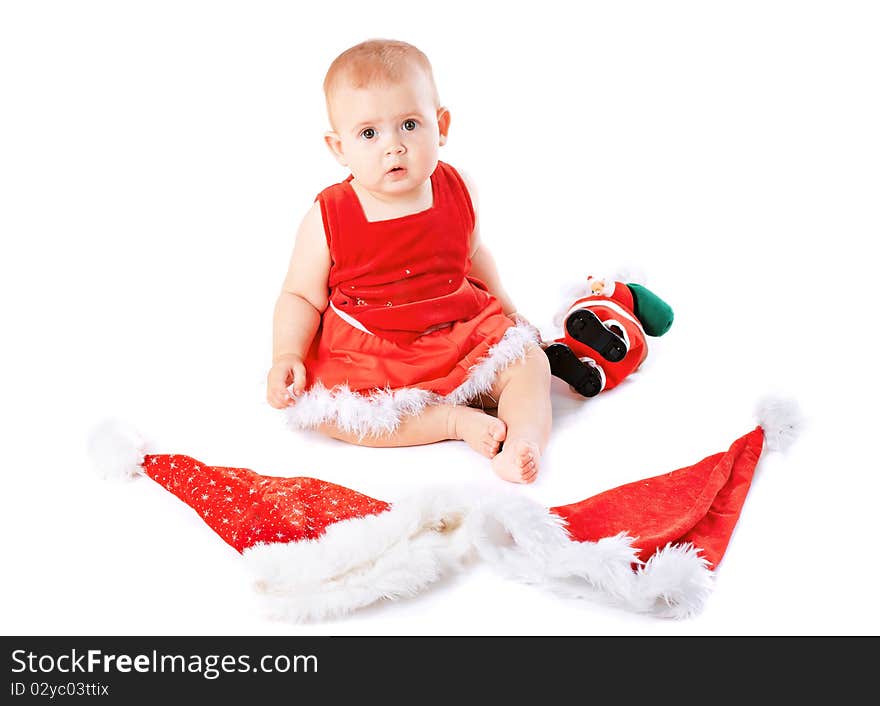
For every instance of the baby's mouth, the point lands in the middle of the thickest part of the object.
(396, 170)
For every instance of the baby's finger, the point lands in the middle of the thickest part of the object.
(278, 396)
(299, 378)
(276, 379)
(275, 401)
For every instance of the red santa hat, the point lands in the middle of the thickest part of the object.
(318, 549)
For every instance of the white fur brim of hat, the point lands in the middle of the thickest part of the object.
(400, 552)
(421, 538)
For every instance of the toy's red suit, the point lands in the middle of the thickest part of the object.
(604, 335)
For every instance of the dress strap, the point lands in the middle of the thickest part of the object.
(458, 193)
(337, 211)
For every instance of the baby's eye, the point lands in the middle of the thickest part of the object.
(368, 133)
(409, 125)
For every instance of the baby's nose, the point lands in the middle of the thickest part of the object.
(394, 147)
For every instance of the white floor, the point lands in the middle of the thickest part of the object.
(156, 164)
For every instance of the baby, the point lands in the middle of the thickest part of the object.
(392, 327)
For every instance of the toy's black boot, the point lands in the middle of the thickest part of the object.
(584, 326)
(565, 365)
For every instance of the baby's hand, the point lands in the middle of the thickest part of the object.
(284, 372)
(521, 320)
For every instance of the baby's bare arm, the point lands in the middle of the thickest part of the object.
(483, 265)
(304, 293)
(302, 300)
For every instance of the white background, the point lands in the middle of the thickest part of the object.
(157, 158)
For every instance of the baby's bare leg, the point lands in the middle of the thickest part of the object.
(482, 432)
(523, 394)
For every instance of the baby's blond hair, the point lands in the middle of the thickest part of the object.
(376, 62)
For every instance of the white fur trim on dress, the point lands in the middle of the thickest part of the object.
(379, 413)
(400, 552)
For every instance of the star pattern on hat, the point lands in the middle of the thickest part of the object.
(246, 508)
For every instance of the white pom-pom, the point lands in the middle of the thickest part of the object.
(117, 450)
(781, 420)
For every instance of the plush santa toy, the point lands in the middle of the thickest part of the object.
(604, 332)
(318, 549)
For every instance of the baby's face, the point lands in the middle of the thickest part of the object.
(388, 136)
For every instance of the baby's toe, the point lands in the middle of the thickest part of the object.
(497, 430)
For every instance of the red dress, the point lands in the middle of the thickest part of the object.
(406, 324)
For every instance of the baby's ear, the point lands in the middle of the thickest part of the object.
(334, 144)
(443, 120)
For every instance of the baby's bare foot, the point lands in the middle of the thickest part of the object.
(482, 432)
(518, 461)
